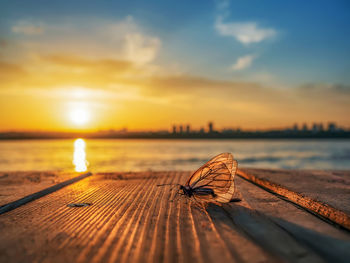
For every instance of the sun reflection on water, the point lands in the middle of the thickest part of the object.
(79, 157)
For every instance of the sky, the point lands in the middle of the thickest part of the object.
(146, 65)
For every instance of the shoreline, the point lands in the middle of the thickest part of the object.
(347, 137)
(179, 138)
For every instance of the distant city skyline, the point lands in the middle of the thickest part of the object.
(210, 128)
(315, 130)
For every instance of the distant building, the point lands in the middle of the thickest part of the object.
(181, 129)
(332, 127)
(201, 130)
(320, 127)
(210, 127)
(188, 128)
(174, 129)
(315, 127)
(304, 128)
(295, 127)
(227, 131)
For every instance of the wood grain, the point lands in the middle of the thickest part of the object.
(325, 193)
(131, 219)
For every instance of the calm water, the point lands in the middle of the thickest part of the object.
(141, 155)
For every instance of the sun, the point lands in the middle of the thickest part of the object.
(79, 116)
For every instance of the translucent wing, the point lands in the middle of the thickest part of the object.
(216, 175)
(226, 158)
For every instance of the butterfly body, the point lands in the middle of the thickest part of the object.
(198, 191)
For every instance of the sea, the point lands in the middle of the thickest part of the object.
(113, 155)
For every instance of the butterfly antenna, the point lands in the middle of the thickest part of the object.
(171, 188)
(174, 186)
(166, 184)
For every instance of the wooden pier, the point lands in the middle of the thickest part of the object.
(283, 216)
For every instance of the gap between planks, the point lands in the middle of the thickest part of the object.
(322, 210)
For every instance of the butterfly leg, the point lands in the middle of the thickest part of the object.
(177, 196)
(197, 203)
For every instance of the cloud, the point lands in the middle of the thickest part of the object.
(122, 39)
(85, 64)
(244, 32)
(325, 94)
(57, 70)
(326, 87)
(3, 43)
(27, 28)
(243, 62)
(10, 73)
(10, 68)
(63, 70)
(131, 40)
(188, 84)
(141, 49)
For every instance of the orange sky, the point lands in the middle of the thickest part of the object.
(54, 79)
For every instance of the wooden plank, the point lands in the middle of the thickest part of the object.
(272, 206)
(325, 193)
(331, 243)
(331, 249)
(130, 220)
(133, 220)
(16, 185)
(269, 236)
(29, 198)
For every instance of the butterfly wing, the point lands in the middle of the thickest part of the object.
(226, 158)
(216, 176)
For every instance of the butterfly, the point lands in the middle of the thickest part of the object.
(213, 181)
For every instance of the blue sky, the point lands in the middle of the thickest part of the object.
(180, 50)
(311, 43)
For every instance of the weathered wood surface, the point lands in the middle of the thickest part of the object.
(326, 193)
(16, 185)
(31, 197)
(133, 220)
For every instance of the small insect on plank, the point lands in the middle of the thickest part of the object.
(213, 181)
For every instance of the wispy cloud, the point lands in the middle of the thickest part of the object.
(123, 39)
(136, 45)
(10, 74)
(28, 28)
(244, 32)
(82, 64)
(141, 49)
(243, 62)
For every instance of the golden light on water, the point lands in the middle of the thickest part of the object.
(79, 157)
